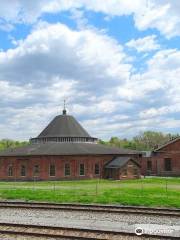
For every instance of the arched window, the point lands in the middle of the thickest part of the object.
(167, 164)
(36, 170)
(52, 170)
(23, 171)
(10, 171)
(81, 169)
(96, 169)
(67, 169)
(149, 165)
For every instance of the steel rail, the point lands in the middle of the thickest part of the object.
(71, 233)
(93, 208)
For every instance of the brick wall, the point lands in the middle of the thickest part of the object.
(171, 151)
(44, 163)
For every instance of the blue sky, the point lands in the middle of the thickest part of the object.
(116, 62)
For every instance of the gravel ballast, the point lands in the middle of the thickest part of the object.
(156, 225)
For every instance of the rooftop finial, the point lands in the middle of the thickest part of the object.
(64, 110)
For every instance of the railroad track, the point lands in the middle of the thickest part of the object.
(169, 212)
(70, 233)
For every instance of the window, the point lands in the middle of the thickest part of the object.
(23, 171)
(67, 170)
(149, 165)
(52, 170)
(10, 171)
(96, 170)
(81, 169)
(36, 170)
(167, 164)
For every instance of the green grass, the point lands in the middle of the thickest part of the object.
(162, 192)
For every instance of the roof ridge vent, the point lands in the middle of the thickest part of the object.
(64, 110)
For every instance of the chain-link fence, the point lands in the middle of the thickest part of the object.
(148, 191)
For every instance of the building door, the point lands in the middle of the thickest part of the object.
(108, 173)
(111, 173)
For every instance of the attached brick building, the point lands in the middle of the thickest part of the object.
(164, 161)
(64, 150)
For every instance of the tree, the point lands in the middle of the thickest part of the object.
(144, 141)
(8, 143)
(149, 140)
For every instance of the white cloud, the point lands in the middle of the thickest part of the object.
(55, 62)
(145, 44)
(29, 11)
(26, 122)
(11, 92)
(165, 110)
(5, 26)
(57, 50)
(167, 59)
(162, 15)
(89, 69)
(16, 92)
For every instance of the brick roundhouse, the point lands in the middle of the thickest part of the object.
(64, 150)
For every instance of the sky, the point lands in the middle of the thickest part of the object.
(116, 62)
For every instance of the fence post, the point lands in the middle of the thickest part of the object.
(142, 187)
(15, 186)
(34, 183)
(166, 187)
(54, 186)
(96, 188)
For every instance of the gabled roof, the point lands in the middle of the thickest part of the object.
(64, 126)
(166, 144)
(68, 148)
(118, 162)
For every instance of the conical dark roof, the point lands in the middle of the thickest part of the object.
(64, 126)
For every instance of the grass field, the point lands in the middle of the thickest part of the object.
(162, 192)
